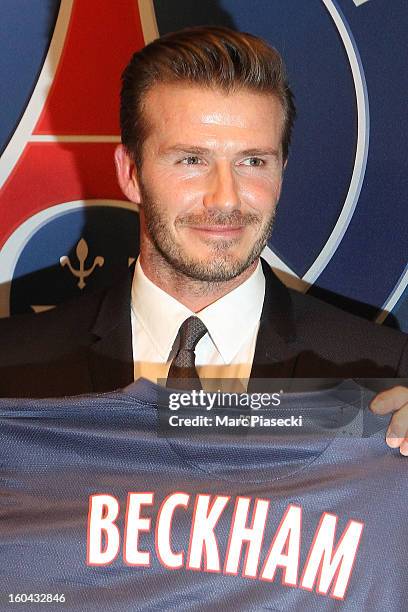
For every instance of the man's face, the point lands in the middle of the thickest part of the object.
(210, 178)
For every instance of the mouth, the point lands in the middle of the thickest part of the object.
(219, 231)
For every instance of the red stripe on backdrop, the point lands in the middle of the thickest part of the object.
(51, 173)
(84, 98)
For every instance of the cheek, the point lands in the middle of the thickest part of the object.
(176, 191)
(186, 194)
(260, 194)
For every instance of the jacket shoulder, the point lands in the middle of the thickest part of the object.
(45, 335)
(337, 332)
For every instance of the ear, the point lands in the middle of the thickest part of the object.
(126, 173)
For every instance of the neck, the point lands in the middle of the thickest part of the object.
(192, 293)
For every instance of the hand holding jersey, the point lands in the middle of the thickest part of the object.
(394, 401)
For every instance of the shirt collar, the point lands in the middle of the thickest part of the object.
(232, 318)
(240, 309)
(158, 312)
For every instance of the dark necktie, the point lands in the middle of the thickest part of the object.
(182, 373)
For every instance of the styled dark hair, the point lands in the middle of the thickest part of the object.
(213, 57)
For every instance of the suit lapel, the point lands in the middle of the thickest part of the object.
(110, 357)
(276, 348)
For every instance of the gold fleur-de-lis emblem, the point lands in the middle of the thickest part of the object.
(82, 253)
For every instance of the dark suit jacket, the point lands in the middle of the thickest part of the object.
(85, 345)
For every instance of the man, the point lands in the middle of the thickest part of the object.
(206, 120)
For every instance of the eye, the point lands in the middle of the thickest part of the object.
(191, 160)
(254, 162)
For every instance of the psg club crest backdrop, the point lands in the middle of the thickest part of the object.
(341, 228)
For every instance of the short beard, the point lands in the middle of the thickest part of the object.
(223, 267)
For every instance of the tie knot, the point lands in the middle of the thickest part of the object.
(191, 331)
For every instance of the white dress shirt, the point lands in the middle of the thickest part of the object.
(225, 352)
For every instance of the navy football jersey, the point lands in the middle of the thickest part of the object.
(118, 502)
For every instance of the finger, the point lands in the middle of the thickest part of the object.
(404, 447)
(398, 428)
(393, 441)
(390, 400)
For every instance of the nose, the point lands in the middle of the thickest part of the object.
(221, 191)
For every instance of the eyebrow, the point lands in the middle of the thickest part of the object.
(184, 148)
(191, 149)
(259, 152)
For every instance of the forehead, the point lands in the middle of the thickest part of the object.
(175, 111)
